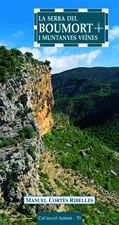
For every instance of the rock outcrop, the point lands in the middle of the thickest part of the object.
(25, 114)
(41, 97)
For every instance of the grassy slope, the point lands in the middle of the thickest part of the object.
(83, 153)
(82, 141)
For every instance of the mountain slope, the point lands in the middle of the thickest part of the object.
(90, 99)
(74, 168)
(98, 74)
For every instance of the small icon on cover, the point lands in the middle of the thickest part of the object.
(98, 28)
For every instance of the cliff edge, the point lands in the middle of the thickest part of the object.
(25, 114)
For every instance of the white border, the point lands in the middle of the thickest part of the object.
(106, 27)
(105, 10)
(59, 45)
(59, 10)
(106, 44)
(82, 45)
(36, 44)
(82, 10)
(36, 10)
(35, 27)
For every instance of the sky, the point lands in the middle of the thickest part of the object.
(16, 31)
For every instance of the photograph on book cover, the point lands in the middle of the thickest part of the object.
(59, 112)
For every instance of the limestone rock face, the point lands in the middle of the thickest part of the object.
(42, 98)
(25, 114)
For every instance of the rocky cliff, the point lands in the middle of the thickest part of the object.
(25, 114)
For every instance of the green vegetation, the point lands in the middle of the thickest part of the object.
(57, 181)
(82, 153)
(91, 109)
(11, 183)
(2, 170)
(11, 62)
(28, 54)
(12, 124)
(85, 136)
(91, 104)
(108, 132)
(27, 132)
(29, 58)
(6, 141)
(46, 185)
(23, 114)
(31, 150)
(96, 214)
(47, 63)
(3, 74)
(17, 219)
(44, 175)
(10, 95)
(98, 74)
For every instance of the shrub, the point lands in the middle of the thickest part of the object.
(22, 135)
(44, 175)
(5, 63)
(10, 95)
(48, 188)
(12, 124)
(14, 212)
(15, 52)
(28, 168)
(16, 150)
(27, 111)
(23, 113)
(108, 186)
(47, 62)
(19, 112)
(27, 132)
(57, 181)
(25, 70)
(41, 190)
(31, 150)
(2, 48)
(6, 141)
(10, 63)
(3, 76)
(26, 160)
(29, 54)
(3, 206)
(11, 183)
(3, 215)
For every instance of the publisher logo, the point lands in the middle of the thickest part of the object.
(71, 27)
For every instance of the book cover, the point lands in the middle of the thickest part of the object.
(59, 113)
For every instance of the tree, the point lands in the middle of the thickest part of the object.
(3, 76)
(29, 54)
(15, 52)
(47, 62)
